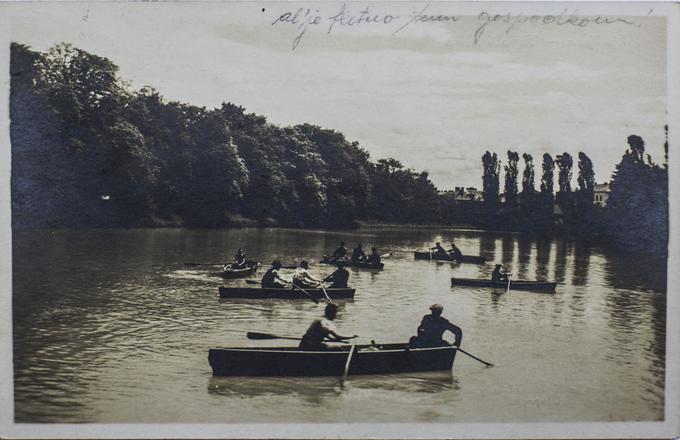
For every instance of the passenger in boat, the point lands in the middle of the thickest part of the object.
(374, 258)
(439, 251)
(358, 253)
(239, 260)
(431, 330)
(302, 278)
(498, 275)
(322, 329)
(272, 279)
(339, 278)
(341, 252)
(455, 253)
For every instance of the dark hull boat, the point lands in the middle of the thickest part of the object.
(292, 361)
(474, 259)
(533, 286)
(359, 264)
(283, 293)
(250, 269)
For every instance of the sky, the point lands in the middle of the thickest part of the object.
(429, 94)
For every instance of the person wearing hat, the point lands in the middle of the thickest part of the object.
(374, 258)
(339, 278)
(455, 253)
(303, 279)
(321, 330)
(240, 261)
(498, 275)
(272, 279)
(431, 330)
(341, 252)
(358, 253)
(439, 251)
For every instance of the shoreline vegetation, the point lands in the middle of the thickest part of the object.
(88, 151)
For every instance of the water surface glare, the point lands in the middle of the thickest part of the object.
(111, 326)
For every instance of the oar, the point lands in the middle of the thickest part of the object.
(316, 301)
(262, 336)
(508, 289)
(488, 364)
(323, 289)
(349, 360)
(203, 264)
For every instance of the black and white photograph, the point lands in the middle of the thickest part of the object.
(339, 219)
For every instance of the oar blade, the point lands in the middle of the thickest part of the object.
(258, 335)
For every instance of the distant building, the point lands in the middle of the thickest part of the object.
(462, 193)
(601, 193)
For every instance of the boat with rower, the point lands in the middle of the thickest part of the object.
(474, 259)
(353, 263)
(230, 273)
(293, 361)
(533, 286)
(284, 293)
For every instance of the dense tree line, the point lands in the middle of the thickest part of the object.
(636, 214)
(88, 151)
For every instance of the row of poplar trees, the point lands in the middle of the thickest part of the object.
(636, 213)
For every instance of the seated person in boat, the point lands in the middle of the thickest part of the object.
(374, 258)
(302, 278)
(341, 252)
(432, 328)
(339, 278)
(322, 329)
(272, 279)
(439, 251)
(239, 260)
(358, 253)
(498, 275)
(455, 252)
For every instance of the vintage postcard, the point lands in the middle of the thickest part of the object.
(339, 219)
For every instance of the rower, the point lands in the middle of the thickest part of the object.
(455, 252)
(439, 251)
(303, 279)
(374, 258)
(341, 252)
(339, 278)
(239, 260)
(323, 329)
(358, 253)
(272, 279)
(498, 275)
(432, 328)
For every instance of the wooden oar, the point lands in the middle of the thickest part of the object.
(263, 336)
(203, 264)
(323, 289)
(508, 289)
(488, 364)
(316, 301)
(349, 359)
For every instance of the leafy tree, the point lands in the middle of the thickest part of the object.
(528, 175)
(511, 173)
(564, 164)
(586, 176)
(548, 176)
(490, 178)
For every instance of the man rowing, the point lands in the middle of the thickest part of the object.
(438, 251)
(272, 279)
(339, 278)
(341, 252)
(358, 253)
(374, 258)
(303, 279)
(431, 330)
(499, 276)
(239, 260)
(455, 253)
(323, 330)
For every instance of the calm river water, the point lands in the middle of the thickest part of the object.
(110, 326)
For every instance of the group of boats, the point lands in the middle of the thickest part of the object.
(342, 359)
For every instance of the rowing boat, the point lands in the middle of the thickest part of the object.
(359, 264)
(283, 293)
(534, 286)
(474, 259)
(293, 361)
(230, 273)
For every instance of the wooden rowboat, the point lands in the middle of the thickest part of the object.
(251, 268)
(534, 286)
(359, 264)
(474, 259)
(293, 361)
(283, 293)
